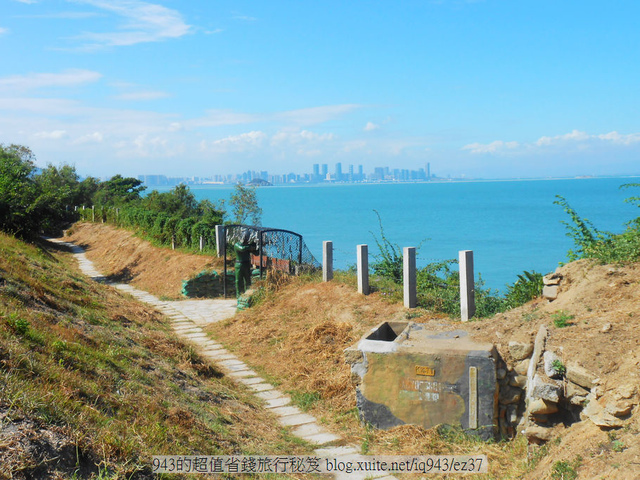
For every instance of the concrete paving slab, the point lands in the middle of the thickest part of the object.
(226, 356)
(322, 438)
(269, 394)
(336, 451)
(296, 420)
(236, 368)
(228, 363)
(261, 387)
(286, 411)
(242, 373)
(278, 402)
(308, 429)
(251, 381)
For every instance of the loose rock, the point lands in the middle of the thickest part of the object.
(580, 375)
(537, 434)
(542, 407)
(550, 292)
(551, 364)
(522, 367)
(546, 390)
(520, 350)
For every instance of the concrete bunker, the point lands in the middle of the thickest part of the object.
(406, 374)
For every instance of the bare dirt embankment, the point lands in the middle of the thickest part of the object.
(297, 337)
(127, 258)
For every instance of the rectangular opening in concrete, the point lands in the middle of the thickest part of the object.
(410, 375)
(388, 331)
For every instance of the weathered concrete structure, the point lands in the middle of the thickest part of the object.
(406, 374)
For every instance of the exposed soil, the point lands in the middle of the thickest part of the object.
(297, 337)
(126, 258)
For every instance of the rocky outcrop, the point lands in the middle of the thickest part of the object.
(551, 287)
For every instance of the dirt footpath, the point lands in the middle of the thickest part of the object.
(127, 258)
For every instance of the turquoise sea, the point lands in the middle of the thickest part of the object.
(511, 226)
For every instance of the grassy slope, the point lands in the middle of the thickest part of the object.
(297, 335)
(299, 331)
(95, 383)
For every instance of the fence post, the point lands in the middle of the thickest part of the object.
(409, 277)
(327, 261)
(93, 213)
(173, 242)
(467, 291)
(363, 269)
(201, 242)
(220, 246)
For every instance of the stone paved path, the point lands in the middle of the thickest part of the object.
(188, 317)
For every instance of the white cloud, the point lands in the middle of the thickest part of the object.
(574, 141)
(297, 137)
(617, 138)
(53, 135)
(95, 137)
(292, 118)
(3, 31)
(216, 118)
(67, 78)
(45, 106)
(370, 126)
(244, 18)
(63, 15)
(316, 115)
(574, 135)
(141, 96)
(28, 2)
(493, 147)
(144, 22)
(240, 143)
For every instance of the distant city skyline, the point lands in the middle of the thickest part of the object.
(320, 174)
(481, 88)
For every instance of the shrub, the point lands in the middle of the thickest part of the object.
(183, 231)
(528, 286)
(605, 247)
(389, 263)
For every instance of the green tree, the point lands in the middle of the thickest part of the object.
(179, 202)
(18, 191)
(244, 205)
(58, 189)
(119, 190)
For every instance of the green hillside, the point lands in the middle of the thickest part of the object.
(93, 383)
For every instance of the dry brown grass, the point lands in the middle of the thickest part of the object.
(89, 377)
(124, 257)
(296, 337)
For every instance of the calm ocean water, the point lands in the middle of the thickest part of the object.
(510, 225)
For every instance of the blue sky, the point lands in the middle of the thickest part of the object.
(484, 88)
